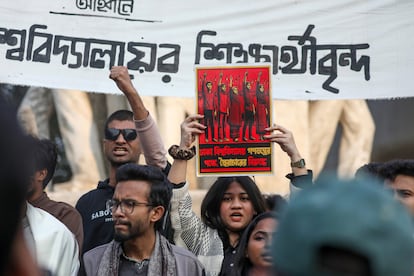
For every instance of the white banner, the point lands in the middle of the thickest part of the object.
(318, 49)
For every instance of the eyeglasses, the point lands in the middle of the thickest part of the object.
(127, 206)
(113, 133)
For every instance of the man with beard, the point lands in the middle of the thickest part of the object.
(142, 195)
(121, 145)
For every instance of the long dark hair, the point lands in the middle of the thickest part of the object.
(243, 263)
(210, 206)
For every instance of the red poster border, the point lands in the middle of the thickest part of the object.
(235, 146)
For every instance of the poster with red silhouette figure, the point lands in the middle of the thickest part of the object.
(236, 104)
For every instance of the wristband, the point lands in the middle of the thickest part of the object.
(181, 154)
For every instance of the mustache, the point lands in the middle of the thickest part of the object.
(121, 222)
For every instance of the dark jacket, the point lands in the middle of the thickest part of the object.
(97, 220)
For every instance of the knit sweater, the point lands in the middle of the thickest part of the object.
(190, 232)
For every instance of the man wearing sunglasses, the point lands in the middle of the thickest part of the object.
(142, 196)
(127, 134)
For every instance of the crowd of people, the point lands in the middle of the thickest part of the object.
(140, 220)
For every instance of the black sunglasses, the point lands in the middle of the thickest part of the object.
(113, 133)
